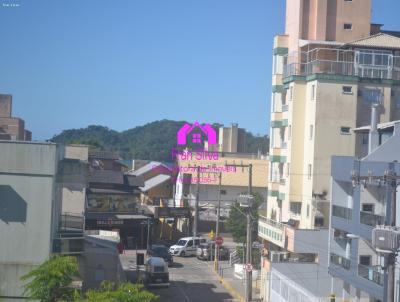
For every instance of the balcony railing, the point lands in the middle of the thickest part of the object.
(342, 212)
(370, 64)
(371, 273)
(71, 222)
(371, 219)
(340, 261)
(271, 222)
(69, 246)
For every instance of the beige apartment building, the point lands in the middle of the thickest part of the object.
(326, 70)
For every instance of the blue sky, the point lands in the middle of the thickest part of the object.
(73, 63)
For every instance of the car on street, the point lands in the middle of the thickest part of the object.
(186, 246)
(159, 250)
(156, 273)
(206, 251)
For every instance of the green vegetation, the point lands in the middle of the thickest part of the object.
(236, 224)
(49, 282)
(126, 292)
(151, 141)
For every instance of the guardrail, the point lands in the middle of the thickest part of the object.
(72, 222)
(371, 219)
(342, 212)
(340, 261)
(69, 245)
(271, 222)
(371, 273)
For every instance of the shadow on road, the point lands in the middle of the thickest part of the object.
(180, 291)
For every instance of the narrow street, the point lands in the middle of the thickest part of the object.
(192, 280)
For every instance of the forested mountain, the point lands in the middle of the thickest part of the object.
(151, 141)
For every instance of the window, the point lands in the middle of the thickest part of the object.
(365, 138)
(365, 260)
(345, 130)
(313, 92)
(223, 192)
(311, 131)
(348, 0)
(290, 132)
(190, 243)
(291, 93)
(295, 207)
(348, 26)
(196, 242)
(309, 171)
(288, 169)
(347, 90)
(368, 207)
(308, 210)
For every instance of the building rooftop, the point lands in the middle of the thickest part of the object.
(381, 40)
(155, 181)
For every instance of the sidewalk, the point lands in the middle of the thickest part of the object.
(234, 285)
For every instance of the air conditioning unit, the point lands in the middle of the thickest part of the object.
(386, 239)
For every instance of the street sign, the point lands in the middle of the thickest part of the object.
(248, 267)
(219, 240)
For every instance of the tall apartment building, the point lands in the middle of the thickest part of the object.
(11, 128)
(324, 68)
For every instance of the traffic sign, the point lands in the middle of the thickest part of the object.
(219, 240)
(248, 267)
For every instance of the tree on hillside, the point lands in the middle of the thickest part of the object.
(152, 141)
(126, 292)
(49, 282)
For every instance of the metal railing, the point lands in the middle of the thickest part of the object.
(69, 246)
(271, 222)
(342, 62)
(342, 212)
(71, 222)
(340, 261)
(371, 273)
(371, 219)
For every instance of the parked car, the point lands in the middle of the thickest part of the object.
(186, 246)
(159, 250)
(206, 251)
(156, 272)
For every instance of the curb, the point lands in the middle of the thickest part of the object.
(232, 291)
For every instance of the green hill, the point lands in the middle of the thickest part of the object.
(151, 141)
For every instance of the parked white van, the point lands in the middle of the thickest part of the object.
(186, 246)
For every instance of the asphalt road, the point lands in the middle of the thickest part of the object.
(192, 280)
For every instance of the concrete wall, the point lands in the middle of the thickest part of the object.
(27, 216)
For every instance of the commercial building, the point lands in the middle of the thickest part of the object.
(326, 68)
(11, 128)
(113, 199)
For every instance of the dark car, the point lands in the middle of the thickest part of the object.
(158, 250)
(206, 251)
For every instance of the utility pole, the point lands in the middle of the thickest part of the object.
(249, 277)
(391, 258)
(390, 179)
(196, 205)
(216, 254)
(249, 232)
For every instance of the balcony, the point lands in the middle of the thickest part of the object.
(371, 219)
(69, 245)
(360, 63)
(71, 223)
(371, 273)
(340, 261)
(342, 212)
